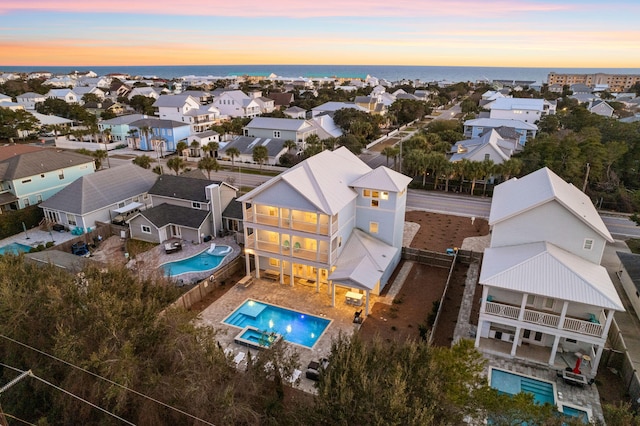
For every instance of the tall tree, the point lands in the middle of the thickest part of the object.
(208, 164)
(233, 153)
(260, 154)
(180, 147)
(176, 164)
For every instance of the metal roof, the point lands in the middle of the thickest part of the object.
(540, 187)
(544, 269)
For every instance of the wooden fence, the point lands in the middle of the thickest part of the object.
(618, 357)
(204, 287)
(426, 257)
(88, 238)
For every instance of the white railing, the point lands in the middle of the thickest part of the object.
(501, 310)
(584, 327)
(541, 318)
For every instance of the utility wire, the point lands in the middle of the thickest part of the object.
(18, 419)
(107, 380)
(72, 394)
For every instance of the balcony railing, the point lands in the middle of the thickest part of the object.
(286, 250)
(545, 319)
(285, 223)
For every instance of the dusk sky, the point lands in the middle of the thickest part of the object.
(527, 33)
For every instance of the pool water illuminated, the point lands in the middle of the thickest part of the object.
(295, 327)
(512, 383)
(201, 262)
(14, 248)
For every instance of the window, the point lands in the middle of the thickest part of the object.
(146, 229)
(549, 303)
(339, 241)
(274, 262)
(531, 299)
(375, 203)
(375, 194)
(588, 244)
(366, 193)
(38, 198)
(195, 205)
(373, 227)
(71, 219)
(276, 133)
(61, 174)
(487, 156)
(26, 202)
(120, 205)
(384, 195)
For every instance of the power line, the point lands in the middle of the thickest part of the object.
(71, 394)
(18, 419)
(107, 380)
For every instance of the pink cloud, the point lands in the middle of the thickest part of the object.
(290, 8)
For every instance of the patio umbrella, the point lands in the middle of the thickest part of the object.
(576, 369)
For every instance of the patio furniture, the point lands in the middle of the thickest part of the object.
(246, 281)
(313, 369)
(574, 379)
(353, 298)
(172, 247)
(271, 274)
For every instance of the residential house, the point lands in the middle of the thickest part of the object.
(52, 121)
(202, 139)
(154, 134)
(296, 112)
(280, 128)
(98, 108)
(476, 127)
(601, 107)
(489, 146)
(28, 178)
(119, 126)
(100, 197)
(246, 144)
(232, 219)
(523, 109)
(281, 100)
(372, 104)
(29, 100)
(183, 207)
(331, 108)
(545, 296)
(203, 97)
(185, 108)
(235, 103)
(67, 95)
(331, 220)
(556, 88)
(325, 127)
(267, 105)
(149, 92)
(60, 81)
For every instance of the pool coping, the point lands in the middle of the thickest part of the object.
(587, 410)
(281, 307)
(553, 385)
(195, 274)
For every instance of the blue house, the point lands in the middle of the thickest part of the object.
(154, 134)
(28, 178)
(477, 127)
(119, 126)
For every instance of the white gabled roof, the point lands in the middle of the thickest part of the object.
(518, 104)
(383, 179)
(292, 124)
(363, 261)
(499, 122)
(543, 186)
(323, 180)
(546, 270)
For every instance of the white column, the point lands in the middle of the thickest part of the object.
(607, 324)
(483, 301)
(281, 270)
(366, 309)
(480, 324)
(523, 306)
(516, 339)
(247, 262)
(595, 362)
(257, 259)
(563, 314)
(554, 348)
(291, 272)
(317, 280)
(333, 294)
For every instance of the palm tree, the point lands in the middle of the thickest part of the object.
(180, 147)
(416, 162)
(106, 135)
(461, 168)
(195, 147)
(448, 171)
(511, 167)
(260, 154)
(99, 155)
(474, 172)
(388, 152)
(488, 169)
(176, 164)
(289, 144)
(233, 153)
(146, 130)
(133, 134)
(437, 162)
(211, 148)
(208, 164)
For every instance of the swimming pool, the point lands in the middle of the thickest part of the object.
(202, 262)
(14, 248)
(581, 413)
(294, 327)
(512, 383)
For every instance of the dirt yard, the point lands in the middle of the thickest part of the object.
(424, 285)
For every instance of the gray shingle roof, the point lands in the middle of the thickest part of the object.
(123, 119)
(233, 210)
(291, 124)
(156, 123)
(166, 214)
(101, 189)
(181, 187)
(245, 145)
(34, 163)
(175, 101)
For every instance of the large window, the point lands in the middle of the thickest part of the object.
(146, 229)
(373, 227)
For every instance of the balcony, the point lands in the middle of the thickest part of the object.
(294, 224)
(297, 252)
(575, 325)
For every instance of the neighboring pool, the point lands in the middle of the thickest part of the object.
(575, 412)
(201, 262)
(14, 248)
(294, 327)
(513, 383)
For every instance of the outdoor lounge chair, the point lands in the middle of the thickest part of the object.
(239, 358)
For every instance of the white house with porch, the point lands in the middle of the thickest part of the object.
(330, 220)
(545, 297)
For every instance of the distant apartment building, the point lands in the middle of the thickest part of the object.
(614, 82)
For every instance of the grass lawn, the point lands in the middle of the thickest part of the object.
(634, 245)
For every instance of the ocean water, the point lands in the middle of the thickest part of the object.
(388, 72)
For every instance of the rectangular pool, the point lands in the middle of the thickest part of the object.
(14, 248)
(513, 383)
(294, 327)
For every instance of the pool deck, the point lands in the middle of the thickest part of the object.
(34, 237)
(301, 298)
